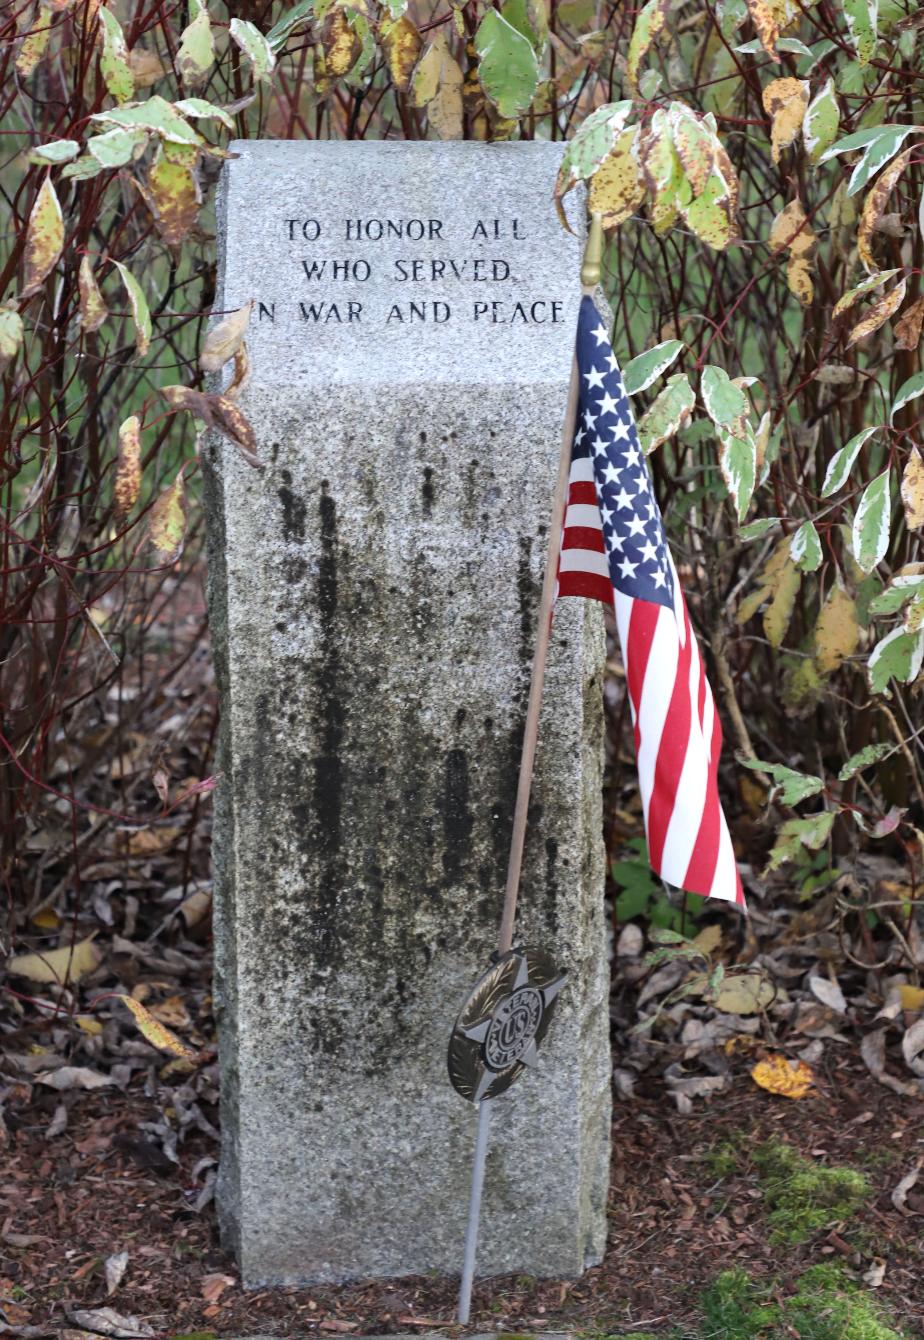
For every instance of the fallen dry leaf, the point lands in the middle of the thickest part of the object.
(213, 1286)
(67, 964)
(106, 1321)
(116, 1266)
(876, 1273)
(224, 339)
(73, 1077)
(900, 1191)
(154, 1031)
(912, 997)
(778, 1075)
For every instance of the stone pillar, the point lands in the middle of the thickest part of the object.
(373, 600)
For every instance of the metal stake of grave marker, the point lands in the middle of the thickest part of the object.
(509, 1010)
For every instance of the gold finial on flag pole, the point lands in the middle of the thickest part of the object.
(592, 264)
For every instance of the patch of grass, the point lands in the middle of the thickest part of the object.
(827, 1305)
(723, 1158)
(733, 1309)
(804, 1197)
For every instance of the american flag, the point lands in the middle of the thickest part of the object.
(614, 550)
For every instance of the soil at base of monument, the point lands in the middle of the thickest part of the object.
(676, 1220)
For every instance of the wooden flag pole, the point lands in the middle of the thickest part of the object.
(590, 278)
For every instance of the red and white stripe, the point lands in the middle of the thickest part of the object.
(583, 569)
(678, 735)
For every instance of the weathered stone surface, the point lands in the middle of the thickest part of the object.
(373, 597)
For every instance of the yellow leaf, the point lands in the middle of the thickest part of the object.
(875, 203)
(766, 25)
(649, 23)
(46, 919)
(402, 44)
(779, 612)
(341, 42)
(128, 467)
(912, 997)
(65, 964)
(837, 631)
(908, 326)
(172, 191)
(167, 521)
(791, 231)
(617, 187)
(427, 75)
(913, 491)
(777, 1075)
(785, 100)
(879, 313)
(196, 53)
(709, 939)
(767, 582)
(146, 66)
(93, 311)
(799, 279)
(747, 993)
(44, 238)
(225, 338)
(437, 85)
(113, 61)
(155, 1032)
(35, 42)
(87, 1024)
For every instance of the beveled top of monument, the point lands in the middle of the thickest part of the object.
(400, 262)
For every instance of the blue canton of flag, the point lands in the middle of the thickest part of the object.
(633, 533)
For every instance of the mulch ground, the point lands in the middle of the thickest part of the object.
(102, 1188)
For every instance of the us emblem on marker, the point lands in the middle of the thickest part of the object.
(502, 1023)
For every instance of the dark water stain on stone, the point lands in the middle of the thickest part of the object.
(456, 814)
(526, 599)
(294, 511)
(294, 570)
(427, 493)
(325, 834)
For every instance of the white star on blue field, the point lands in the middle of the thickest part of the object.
(633, 533)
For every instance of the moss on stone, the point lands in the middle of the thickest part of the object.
(804, 1197)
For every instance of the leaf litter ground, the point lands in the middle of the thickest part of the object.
(107, 1220)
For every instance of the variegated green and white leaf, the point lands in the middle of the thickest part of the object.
(593, 140)
(841, 463)
(57, 151)
(903, 587)
(141, 315)
(669, 413)
(805, 550)
(255, 47)
(862, 22)
(871, 523)
(897, 656)
(723, 400)
(908, 391)
(738, 462)
(819, 126)
(639, 374)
